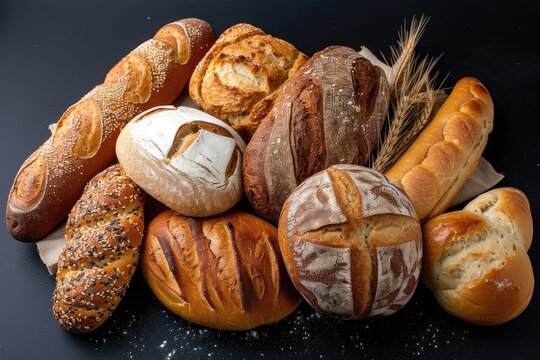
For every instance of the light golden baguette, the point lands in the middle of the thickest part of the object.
(475, 260)
(103, 237)
(51, 180)
(441, 159)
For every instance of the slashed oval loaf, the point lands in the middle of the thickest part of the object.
(223, 272)
(103, 236)
(240, 76)
(329, 113)
(475, 261)
(52, 179)
(351, 243)
(185, 158)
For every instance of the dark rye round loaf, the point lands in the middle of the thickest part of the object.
(329, 113)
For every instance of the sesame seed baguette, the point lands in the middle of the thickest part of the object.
(51, 180)
(103, 236)
(445, 154)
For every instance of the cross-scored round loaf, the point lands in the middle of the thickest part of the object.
(351, 242)
(476, 263)
(223, 272)
(185, 158)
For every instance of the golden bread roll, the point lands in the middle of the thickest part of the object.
(240, 76)
(437, 164)
(351, 243)
(52, 179)
(475, 260)
(224, 272)
(103, 236)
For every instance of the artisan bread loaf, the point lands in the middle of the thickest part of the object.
(329, 113)
(475, 260)
(185, 158)
(351, 243)
(103, 235)
(240, 76)
(223, 272)
(437, 164)
(51, 180)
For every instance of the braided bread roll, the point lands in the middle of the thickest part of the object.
(51, 180)
(103, 235)
(445, 154)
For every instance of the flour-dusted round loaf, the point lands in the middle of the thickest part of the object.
(351, 243)
(223, 272)
(185, 158)
(240, 76)
(330, 112)
(475, 260)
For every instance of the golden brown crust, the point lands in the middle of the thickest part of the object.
(103, 235)
(223, 272)
(440, 160)
(83, 142)
(475, 260)
(238, 79)
(351, 243)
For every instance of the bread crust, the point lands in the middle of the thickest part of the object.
(223, 272)
(241, 75)
(351, 243)
(437, 164)
(475, 260)
(103, 236)
(52, 179)
(331, 112)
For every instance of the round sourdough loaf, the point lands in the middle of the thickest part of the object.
(475, 260)
(185, 158)
(351, 242)
(223, 272)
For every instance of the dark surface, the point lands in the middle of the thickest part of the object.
(52, 53)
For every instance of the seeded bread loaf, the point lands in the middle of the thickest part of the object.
(240, 76)
(223, 272)
(103, 236)
(475, 260)
(330, 112)
(51, 180)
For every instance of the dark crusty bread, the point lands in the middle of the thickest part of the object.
(240, 76)
(437, 164)
(51, 180)
(330, 112)
(223, 272)
(475, 260)
(351, 242)
(103, 236)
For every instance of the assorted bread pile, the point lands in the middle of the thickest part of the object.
(351, 241)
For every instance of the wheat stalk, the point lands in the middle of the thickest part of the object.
(413, 93)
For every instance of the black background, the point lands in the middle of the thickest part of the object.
(53, 52)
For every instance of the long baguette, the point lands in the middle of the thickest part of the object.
(52, 179)
(437, 164)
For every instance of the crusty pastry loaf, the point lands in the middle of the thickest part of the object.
(330, 112)
(437, 164)
(240, 76)
(351, 242)
(185, 158)
(51, 180)
(103, 235)
(475, 260)
(223, 272)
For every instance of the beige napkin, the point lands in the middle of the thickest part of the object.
(50, 247)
